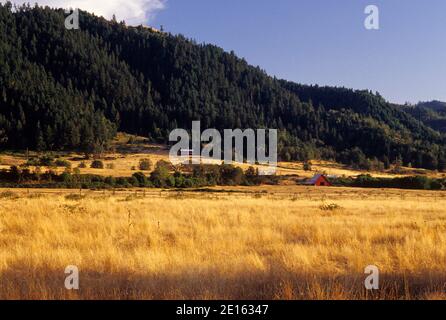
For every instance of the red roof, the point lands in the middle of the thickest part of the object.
(318, 180)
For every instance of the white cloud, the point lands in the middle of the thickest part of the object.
(134, 12)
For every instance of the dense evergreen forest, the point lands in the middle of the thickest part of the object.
(432, 113)
(74, 89)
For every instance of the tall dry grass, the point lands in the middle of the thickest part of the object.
(223, 246)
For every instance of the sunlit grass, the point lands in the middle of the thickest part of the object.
(224, 246)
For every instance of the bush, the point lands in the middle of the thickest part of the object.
(188, 183)
(66, 178)
(97, 164)
(160, 177)
(164, 164)
(145, 164)
(123, 182)
(171, 181)
(252, 176)
(179, 181)
(110, 181)
(62, 163)
(141, 178)
(133, 181)
(436, 185)
(33, 162)
(414, 182)
(232, 175)
(308, 166)
(46, 160)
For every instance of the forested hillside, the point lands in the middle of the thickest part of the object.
(432, 114)
(73, 89)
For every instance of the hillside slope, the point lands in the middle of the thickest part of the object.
(432, 114)
(72, 89)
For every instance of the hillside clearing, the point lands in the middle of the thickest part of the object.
(124, 162)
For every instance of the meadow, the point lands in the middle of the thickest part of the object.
(124, 161)
(282, 242)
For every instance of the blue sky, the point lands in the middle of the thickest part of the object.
(325, 42)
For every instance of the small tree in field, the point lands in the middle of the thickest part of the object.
(308, 166)
(145, 164)
(97, 164)
(161, 174)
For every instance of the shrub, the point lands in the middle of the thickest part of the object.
(308, 166)
(110, 181)
(232, 175)
(252, 172)
(188, 183)
(46, 160)
(97, 164)
(33, 162)
(436, 185)
(62, 163)
(171, 181)
(15, 173)
(145, 164)
(164, 164)
(179, 181)
(160, 175)
(66, 178)
(122, 182)
(414, 182)
(141, 178)
(133, 181)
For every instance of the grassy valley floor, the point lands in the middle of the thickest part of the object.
(284, 242)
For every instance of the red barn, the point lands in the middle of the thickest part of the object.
(318, 180)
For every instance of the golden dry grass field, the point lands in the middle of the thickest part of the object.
(235, 243)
